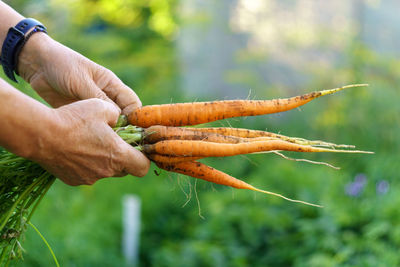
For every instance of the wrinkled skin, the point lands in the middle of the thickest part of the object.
(86, 148)
(62, 76)
(78, 144)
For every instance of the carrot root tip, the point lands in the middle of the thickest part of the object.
(334, 90)
(286, 198)
(306, 160)
(318, 149)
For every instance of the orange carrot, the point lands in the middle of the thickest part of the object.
(253, 135)
(158, 133)
(199, 170)
(247, 135)
(210, 149)
(170, 159)
(238, 132)
(181, 114)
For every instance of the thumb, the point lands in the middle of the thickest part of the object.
(91, 90)
(96, 108)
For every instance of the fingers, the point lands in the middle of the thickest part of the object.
(126, 159)
(91, 90)
(51, 96)
(123, 157)
(127, 99)
(133, 161)
(110, 113)
(117, 91)
(93, 109)
(129, 159)
(104, 84)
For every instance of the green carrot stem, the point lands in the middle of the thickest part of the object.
(122, 121)
(12, 160)
(5, 218)
(131, 138)
(47, 244)
(48, 185)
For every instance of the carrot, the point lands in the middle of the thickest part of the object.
(242, 136)
(300, 141)
(239, 132)
(156, 133)
(199, 170)
(209, 149)
(181, 114)
(258, 135)
(170, 159)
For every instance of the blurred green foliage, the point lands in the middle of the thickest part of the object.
(359, 225)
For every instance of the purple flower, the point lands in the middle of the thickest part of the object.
(360, 178)
(382, 187)
(355, 188)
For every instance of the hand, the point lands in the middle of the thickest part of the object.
(83, 148)
(62, 76)
(80, 147)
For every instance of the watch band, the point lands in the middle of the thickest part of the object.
(15, 38)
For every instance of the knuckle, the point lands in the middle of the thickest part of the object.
(100, 95)
(105, 75)
(104, 71)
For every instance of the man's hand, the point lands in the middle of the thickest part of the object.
(81, 147)
(62, 76)
(74, 141)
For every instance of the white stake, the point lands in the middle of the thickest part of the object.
(131, 228)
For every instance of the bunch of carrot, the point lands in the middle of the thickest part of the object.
(158, 134)
(157, 131)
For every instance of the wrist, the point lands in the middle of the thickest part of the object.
(27, 122)
(36, 134)
(16, 38)
(40, 131)
(33, 55)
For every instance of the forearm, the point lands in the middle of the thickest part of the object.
(24, 121)
(8, 18)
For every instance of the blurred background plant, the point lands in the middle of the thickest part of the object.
(172, 51)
